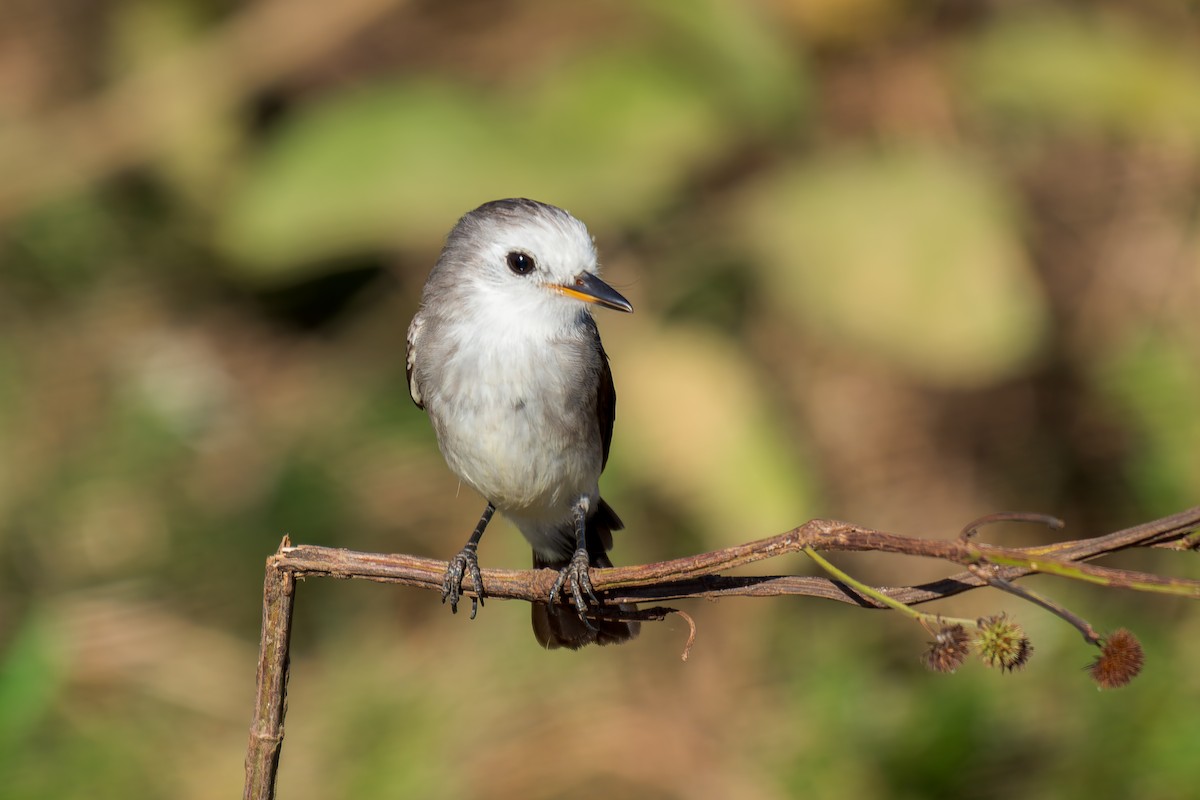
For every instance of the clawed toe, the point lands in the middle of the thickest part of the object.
(464, 563)
(576, 576)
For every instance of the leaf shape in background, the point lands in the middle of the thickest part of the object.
(693, 421)
(608, 137)
(197, 136)
(1085, 74)
(910, 255)
(742, 54)
(612, 136)
(359, 169)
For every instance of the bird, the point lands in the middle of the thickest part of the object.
(505, 358)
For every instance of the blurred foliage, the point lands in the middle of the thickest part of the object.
(378, 165)
(1087, 75)
(372, 168)
(907, 231)
(898, 263)
(1149, 377)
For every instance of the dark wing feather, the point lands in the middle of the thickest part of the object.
(606, 403)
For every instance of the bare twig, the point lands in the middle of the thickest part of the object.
(1054, 523)
(270, 701)
(696, 576)
(1083, 626)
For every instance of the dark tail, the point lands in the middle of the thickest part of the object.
(559, 626)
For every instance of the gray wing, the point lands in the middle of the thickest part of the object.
(410, 362)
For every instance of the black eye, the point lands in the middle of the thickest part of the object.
(520, 263)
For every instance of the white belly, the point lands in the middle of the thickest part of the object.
(512, 426)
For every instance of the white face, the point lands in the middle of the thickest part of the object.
(540, 250)
(529, 257)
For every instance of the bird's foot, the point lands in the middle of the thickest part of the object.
(575, 575)
(465, 563)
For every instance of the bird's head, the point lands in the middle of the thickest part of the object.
(528, 256)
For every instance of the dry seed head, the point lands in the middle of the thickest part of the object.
(948, 649)
(1120, 660)
(1002, 643)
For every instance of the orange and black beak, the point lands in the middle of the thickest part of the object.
(590, 289)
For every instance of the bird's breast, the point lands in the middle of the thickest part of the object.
(515, 419)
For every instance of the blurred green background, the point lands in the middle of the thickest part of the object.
(902, 263)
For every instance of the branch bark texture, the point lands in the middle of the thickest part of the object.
(695, 577)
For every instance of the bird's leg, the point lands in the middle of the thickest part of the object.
(575, 574)
(467, 562)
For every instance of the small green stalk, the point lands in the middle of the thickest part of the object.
(923, 618)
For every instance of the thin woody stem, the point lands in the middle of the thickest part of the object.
(1090, 573)
(1083, 626)
(696, 576)
(270, 705)
(1054, 523)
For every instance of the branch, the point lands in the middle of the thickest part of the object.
(696, 576)
(270, 701)
(1001, 642)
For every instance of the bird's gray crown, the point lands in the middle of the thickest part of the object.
(558, 244)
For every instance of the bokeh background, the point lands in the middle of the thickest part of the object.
(902, 263)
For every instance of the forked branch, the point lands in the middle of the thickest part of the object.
(1000, 641)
